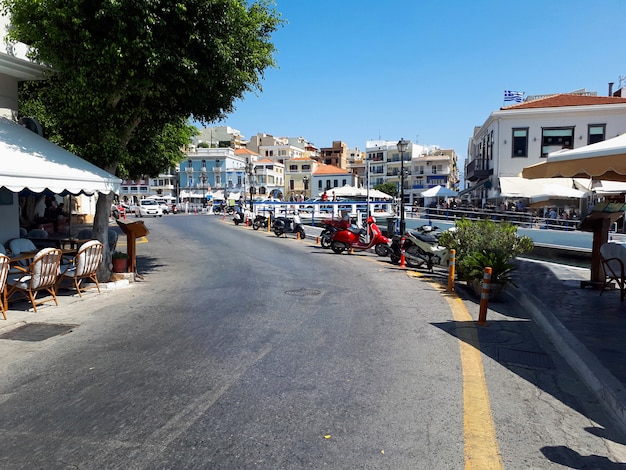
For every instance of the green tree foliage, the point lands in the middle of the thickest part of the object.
(388, 188)
(126, 75)
(130, 67)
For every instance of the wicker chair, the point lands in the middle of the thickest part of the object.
(5, 263)
(42, 274)
(613, 258)
(84, 265)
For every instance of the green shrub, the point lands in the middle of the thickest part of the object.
(480, 242)
(475, 264)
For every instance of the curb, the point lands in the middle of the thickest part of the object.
(605, 387)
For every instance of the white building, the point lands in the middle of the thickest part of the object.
(523, 134)
(424, 167)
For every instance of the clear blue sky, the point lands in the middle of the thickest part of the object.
(358, 70)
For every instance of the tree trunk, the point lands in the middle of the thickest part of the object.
(101, 232)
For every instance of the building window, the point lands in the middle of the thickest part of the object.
(596, 133)
(520, 143)
(306, 167)
(335, 182)
(293, 167)
(319, 184)
(556, 138)
(291, 185)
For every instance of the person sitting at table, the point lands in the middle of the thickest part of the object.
(59, 217)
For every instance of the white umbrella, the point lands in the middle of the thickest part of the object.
(439, 191)
(604, 160)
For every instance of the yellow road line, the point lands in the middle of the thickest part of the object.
(481, 446)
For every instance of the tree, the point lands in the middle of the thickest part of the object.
(388, 188)
(124, 73)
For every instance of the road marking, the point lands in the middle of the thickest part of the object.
(481, 445)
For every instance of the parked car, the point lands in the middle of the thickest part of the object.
(148, 207)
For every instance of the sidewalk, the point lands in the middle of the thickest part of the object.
(588, 329)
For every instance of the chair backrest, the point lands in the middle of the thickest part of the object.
(37, 233)
(88, 258)
(45, 268)
(611, 253)
(5, 264)
(23, 232)
(19, 245)
(85, 234)
(3, 250)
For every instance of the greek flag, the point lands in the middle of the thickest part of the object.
(516, 96)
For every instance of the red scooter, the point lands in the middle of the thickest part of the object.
(330, 227)
(361, 239)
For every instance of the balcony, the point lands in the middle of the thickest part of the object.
(476, 174)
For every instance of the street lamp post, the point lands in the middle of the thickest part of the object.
(203, 177)
(305, 181)
(189, 171)
(402, 146)
(249, 169)
(367, 182)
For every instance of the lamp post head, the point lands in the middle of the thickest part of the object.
(402, 145)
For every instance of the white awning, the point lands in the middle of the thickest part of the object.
(28, 161)
(517, 187)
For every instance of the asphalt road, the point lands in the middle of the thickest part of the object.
(242, 350)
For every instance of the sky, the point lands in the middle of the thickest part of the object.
(429, 72)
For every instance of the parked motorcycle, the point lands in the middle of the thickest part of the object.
(284, 225)
(223, 209)
(330, 227)
(421, 246)
(361, 239)
(260, 221)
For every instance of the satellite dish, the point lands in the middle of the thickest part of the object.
(32, 125)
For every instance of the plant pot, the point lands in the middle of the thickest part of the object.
(496, 289)
(120, 265)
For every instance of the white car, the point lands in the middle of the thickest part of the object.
(148, 207)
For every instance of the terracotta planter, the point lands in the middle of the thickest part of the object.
(120, 265)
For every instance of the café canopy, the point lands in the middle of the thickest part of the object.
(30, 162)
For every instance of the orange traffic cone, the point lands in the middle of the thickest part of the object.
(402, 258)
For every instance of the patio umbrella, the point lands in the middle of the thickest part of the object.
(604, 160)
(439, 191)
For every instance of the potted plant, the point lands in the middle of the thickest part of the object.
(501, 268)
(120, 261)
(485, 243)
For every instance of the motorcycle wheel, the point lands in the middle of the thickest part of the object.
(278, 232)
(414, 251)
(337, 247)
(395, 259)
(302, 234)
(256, 225)
(382, 250)
(325, 239)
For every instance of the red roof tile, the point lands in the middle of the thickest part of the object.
(244, 151)
(555, 101)
(330, 170)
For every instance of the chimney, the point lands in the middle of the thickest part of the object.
(611, 88)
